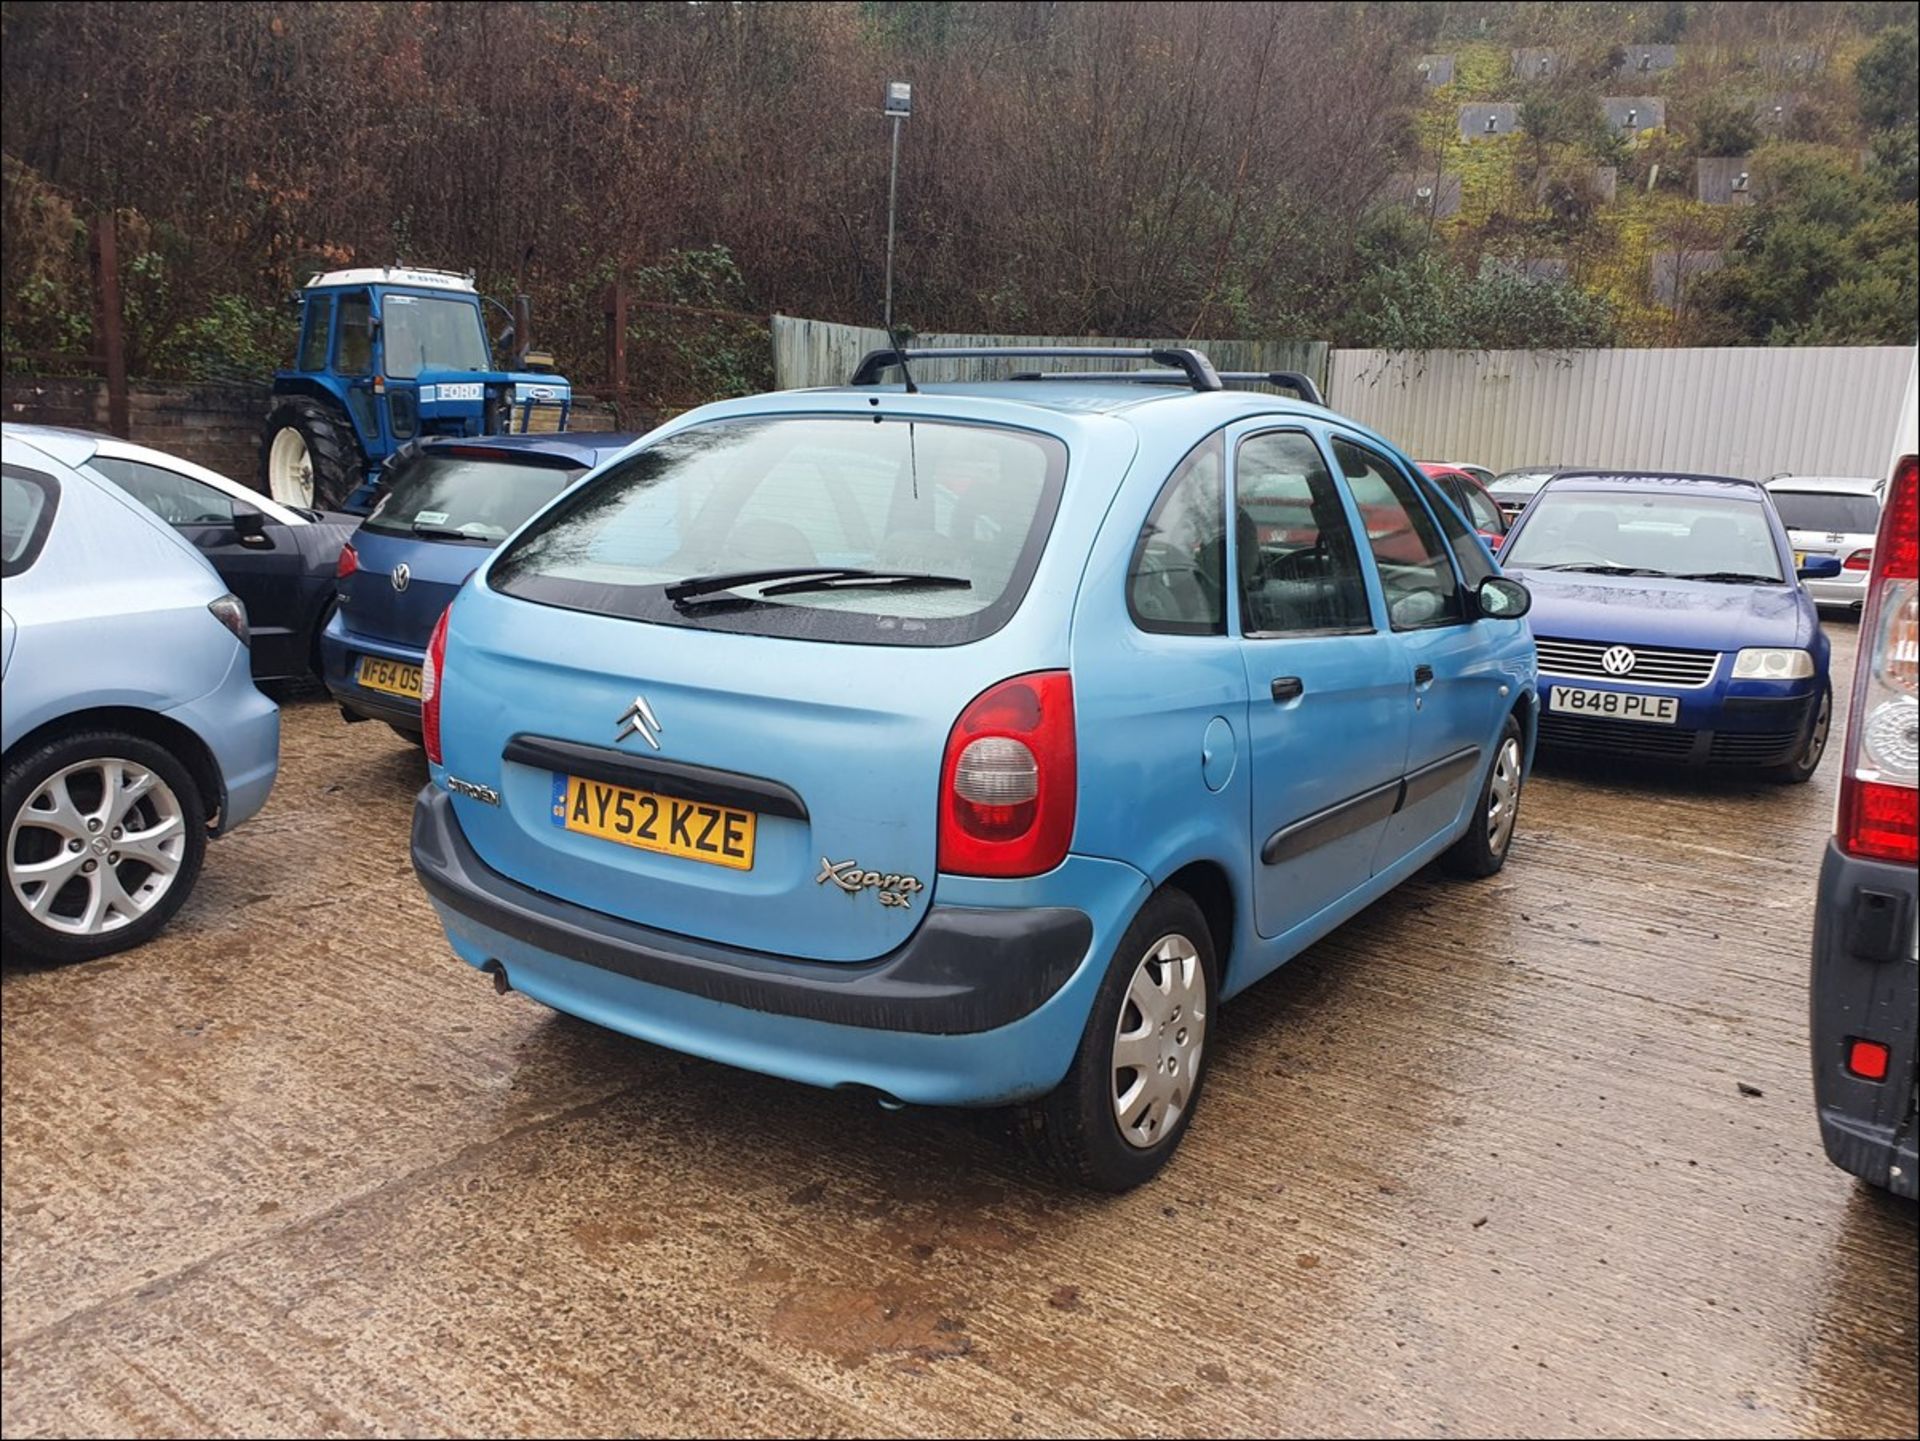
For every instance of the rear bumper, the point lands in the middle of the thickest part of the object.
(1866, 985)
(1847, 588)
(241, 729)
(340, 653)
(981, 1005)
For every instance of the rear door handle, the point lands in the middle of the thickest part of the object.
(1288, 687)
(1423, 675)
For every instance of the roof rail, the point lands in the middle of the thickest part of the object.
(1193, 367)
(1300, 384)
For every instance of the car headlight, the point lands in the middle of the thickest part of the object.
(1772, 665)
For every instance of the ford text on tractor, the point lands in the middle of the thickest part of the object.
(388, 356)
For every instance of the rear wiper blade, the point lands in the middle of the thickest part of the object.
(445, 531)
(707, 584)
(1732, 577)
(792, 580)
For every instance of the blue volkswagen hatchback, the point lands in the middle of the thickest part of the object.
(443, 504)
(968, 744)
(1672, 624)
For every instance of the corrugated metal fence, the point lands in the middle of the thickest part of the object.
(819, 352)
(1828, 410)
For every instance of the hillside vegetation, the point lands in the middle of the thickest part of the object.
(1121, 168)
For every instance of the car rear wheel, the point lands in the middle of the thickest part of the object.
(1130, 1096)
(1482, 851)
(105, 834)
(1813, 745)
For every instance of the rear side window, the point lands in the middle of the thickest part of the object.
(1299, 570)
(950, 519)
(1480, 508)
(1177, 582)
(1415, 573)
(461, 497)
(1466, 547)
(27, 502)
(177, 499)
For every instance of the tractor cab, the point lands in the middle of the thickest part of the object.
(387, 356)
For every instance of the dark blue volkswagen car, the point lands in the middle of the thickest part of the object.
(445, 505)
(1672, 624)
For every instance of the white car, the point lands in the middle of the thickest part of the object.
(1831, 515)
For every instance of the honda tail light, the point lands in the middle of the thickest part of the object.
(1880, 787)
(348, 563)
(432, 672)
(1008, 782)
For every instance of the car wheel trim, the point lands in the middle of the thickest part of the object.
(1157, 1041)
(95, 863)
(290, 468)
(1503, 795)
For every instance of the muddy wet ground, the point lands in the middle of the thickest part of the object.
(1480, 1162)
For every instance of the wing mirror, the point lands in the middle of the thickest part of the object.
(1820, 567)
(1502, 599)
(250, 526)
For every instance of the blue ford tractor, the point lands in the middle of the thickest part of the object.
(386, 357)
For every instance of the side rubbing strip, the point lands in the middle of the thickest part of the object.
(1344, 818)
(1436, 776)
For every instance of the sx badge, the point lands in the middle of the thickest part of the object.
(893, 888)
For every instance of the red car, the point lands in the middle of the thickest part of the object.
(1472, 498)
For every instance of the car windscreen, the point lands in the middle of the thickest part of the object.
(1481, 509)
(1834, 512)
(451, 496)
(426, 332)
(1656, 534)
(744, 525)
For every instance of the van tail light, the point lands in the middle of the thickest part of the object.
(1880, 787)
(1008, 781)
(348, 563)
(433, 671)
(1859, 560)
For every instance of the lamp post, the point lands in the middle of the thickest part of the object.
(899, 107)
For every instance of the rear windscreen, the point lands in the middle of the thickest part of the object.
(959, 513)
(458, 497)
(1817, 510)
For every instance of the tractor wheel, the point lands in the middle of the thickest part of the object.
(308, 455)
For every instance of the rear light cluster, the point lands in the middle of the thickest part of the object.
(1859, 560)
(1007, 782)
(348, 563)
(1880, 788)
(231, 612)
(433, 671)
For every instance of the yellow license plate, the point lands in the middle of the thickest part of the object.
(1799, 559)
(692, 830)
(395, 677)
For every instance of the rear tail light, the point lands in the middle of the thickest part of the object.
(1880, 787)
(231, 612)
(432, 672)
(1008, 781)
(1867, 1060)
(348, 563)
(1859, 560)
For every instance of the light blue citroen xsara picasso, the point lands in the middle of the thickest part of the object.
(968, 743)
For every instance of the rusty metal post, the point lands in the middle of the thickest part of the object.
(617, 344)
(108, 341)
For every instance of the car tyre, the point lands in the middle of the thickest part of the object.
(143, 798)
(1799, 770)
(1483, 850)
(1156, 1004)
(332, 467)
